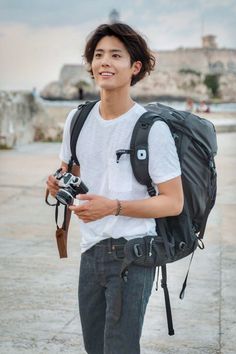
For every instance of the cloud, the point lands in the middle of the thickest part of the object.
(37, 38)
(32, 57)
(218, 4)
(52, 12)
(172, 30)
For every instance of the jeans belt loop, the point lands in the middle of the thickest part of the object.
(110, 245)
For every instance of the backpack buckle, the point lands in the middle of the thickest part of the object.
(151, 191)
(182, 245)
(144, 125)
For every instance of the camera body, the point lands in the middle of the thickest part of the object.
(70, 186)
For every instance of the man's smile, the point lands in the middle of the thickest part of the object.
(106, 74)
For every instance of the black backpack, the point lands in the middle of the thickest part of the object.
(196, 144)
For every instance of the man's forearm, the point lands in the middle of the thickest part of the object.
(154, 207)
(169, 202)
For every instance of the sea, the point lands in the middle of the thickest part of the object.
(180, 105)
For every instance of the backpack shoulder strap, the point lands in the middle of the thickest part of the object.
(139, 147)
(76, 126)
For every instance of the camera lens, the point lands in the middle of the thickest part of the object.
(64, 197)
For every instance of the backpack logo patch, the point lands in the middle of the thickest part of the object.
(141, 154)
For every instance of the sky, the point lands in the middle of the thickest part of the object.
(37, 37)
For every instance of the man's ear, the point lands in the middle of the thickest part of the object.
(137, 65)
(88, 68)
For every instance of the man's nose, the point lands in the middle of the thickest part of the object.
(106, 61)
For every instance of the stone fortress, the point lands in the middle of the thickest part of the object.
(180, 73)
(209, 59)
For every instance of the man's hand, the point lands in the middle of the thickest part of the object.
(52, 183)
(96, 207)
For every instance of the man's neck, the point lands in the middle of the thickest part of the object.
(114, 104)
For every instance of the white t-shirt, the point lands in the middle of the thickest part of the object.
(96, 151)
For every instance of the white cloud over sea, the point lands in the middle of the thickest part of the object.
(38, 37)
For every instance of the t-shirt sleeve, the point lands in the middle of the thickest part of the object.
(163, 158)
(65, 151)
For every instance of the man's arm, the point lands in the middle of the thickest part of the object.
(169, 202)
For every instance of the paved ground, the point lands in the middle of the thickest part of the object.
(38, 291)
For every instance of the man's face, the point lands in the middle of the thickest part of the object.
(111, 64)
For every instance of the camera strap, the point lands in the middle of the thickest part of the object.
(46, 199)
(62, 232)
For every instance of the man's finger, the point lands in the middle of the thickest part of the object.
(85, 196)
(78, 208)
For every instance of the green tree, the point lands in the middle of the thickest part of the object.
(212, 82)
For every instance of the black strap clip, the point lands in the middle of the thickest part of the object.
(121, 152)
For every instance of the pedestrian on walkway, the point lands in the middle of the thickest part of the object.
(117, 208)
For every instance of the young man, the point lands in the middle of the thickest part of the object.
(117, 208)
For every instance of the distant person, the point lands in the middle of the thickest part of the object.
(81, 93)
(189, 106)
(117, 207)
(203, 107)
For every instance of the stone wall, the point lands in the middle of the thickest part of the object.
(181, 73)
(202, 60)
(16, 118)
(171, 84)
(23, 120)
(178, 74)
(74, 83)
(166, 84)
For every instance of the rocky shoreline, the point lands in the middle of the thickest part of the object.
(23, 119)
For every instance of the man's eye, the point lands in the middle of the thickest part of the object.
(97, 55)
(116, 56)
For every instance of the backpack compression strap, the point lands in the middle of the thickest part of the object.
(77, 124)
(171, 331)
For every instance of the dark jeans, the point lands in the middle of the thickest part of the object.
(112, 310)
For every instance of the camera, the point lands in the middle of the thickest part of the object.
(70, 186)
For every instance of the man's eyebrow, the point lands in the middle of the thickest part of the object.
(111, 50)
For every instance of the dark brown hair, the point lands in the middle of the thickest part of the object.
(133, 41)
